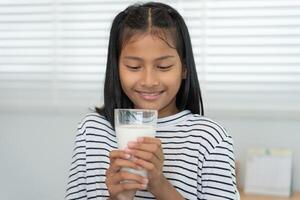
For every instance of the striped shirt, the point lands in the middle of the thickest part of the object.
(199, 158)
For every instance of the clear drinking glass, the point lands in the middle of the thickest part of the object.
(131, 124)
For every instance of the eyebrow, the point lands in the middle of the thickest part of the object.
(140, 59)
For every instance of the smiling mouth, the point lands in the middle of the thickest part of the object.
(150, 95)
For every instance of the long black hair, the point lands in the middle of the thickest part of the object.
(135, 20)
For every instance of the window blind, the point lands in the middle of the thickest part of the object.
(251, 56)
(53, 52)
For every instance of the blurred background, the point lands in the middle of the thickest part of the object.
(52, 65)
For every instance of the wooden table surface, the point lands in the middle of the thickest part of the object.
(295, 196)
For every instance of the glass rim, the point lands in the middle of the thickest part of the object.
(135, 110)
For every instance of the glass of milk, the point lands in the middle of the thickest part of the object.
(131, 124)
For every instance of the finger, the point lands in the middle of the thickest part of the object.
(144, 155)
(127, 176)
(148, 147)
(149, 140)
(143, 146)
(119, 163)
(154, 141)
(118, 154)
(149, 166)
(128, 186)
(146, 160)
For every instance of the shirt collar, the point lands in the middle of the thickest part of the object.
(173, 119)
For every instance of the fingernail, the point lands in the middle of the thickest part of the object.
(127, 150)
(131, 144)
(144, 186)
(139, 167)
(133, 159)
(145, 180)
(127, 156)
(140, 139)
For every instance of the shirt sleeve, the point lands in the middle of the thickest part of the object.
(217, 179)
(76, 186)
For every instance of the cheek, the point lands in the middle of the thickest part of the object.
(127, 80)
(174, 85)
(173, 80)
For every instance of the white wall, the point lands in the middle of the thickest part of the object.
(270, 133)
(35, 152)
(35, 149)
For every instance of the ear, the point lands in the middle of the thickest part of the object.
(184, 72)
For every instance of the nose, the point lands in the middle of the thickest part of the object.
(149, 78)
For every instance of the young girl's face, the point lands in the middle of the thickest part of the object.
(151, 73)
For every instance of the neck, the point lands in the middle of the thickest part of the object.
(162, 114)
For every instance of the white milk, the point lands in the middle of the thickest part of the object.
(126, 133)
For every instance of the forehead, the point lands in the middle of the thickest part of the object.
(149, 45)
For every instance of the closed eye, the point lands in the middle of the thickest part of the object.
(133, 68)
(165, 68)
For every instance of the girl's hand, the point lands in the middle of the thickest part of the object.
(118, 188)
(147, 153)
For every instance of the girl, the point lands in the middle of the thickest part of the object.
(150, 65)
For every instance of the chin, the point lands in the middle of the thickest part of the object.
(147, 106)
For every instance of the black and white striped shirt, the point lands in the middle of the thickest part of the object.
(199, 158)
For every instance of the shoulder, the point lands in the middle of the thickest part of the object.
(215, 140)
(94, 120)
(213, 131)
